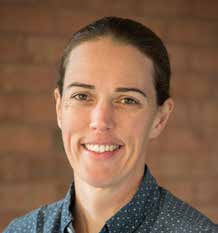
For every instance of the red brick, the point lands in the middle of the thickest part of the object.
(169, 9)
(179, 58)
(27, 78)
(115, 8)
(213, 161)
(198, 115)
(28, 195)
(17, 2)
(96, 9)
(201, 166)
(68, 22)
(199, 60)
(175, 165)
(12, 48)
(206, 191)
(158, 8)
(19, 18)
(181, 138)
(182, 188)
(16, 167)
(209, 116)
(204, 60)
(41, 109)
(204, 9)
(175, 8)
(56, 5)
(192, 32)
(180, 158)
(38, 109)
(45, 50)
(191, 86)
(10, 106)
(191, 163)
(184, 158)
(153, 155)
(25, 139)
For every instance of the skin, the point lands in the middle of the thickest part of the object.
(103, 114)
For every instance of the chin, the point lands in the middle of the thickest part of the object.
(98, 180)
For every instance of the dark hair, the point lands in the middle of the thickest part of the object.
(129, 32)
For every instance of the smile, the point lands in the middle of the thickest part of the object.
(101, 148)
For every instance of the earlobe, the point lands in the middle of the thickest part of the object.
(161, 118)
(57, 97)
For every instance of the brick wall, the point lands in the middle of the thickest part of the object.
(33, 33)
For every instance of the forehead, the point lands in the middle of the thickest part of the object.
(110, 62)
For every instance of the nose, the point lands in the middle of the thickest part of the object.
(102, 117)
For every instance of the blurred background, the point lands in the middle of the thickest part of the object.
(33, 166)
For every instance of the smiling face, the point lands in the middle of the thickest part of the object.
(108, 112)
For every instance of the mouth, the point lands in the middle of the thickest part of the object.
(101, 148)
(102, 151)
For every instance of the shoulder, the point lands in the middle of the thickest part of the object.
(29, 222)
(179, 216)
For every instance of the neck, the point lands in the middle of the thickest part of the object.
(94, 205)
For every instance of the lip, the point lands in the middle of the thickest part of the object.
(102, 156)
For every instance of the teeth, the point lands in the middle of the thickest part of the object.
(101, 148)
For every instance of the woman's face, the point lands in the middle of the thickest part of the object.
(108, 112)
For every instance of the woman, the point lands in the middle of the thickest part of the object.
(112, 99)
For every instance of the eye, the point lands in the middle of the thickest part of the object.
(129, 101)
(80, 97)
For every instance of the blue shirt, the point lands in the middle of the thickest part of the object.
(152, 210)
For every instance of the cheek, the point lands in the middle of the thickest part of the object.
(73, 120)
(73, 126)
(139, 125)
(138, 132)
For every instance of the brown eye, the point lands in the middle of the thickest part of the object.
(129, 101)
(80, 97)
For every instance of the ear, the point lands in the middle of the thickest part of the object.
(161, 118)
(57, 97)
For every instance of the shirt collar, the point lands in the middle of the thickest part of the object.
(129, 217)
(66, 216)
(143, 204)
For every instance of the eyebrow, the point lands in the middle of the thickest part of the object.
(119, 89)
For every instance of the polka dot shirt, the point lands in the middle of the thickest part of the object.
(152, 210)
